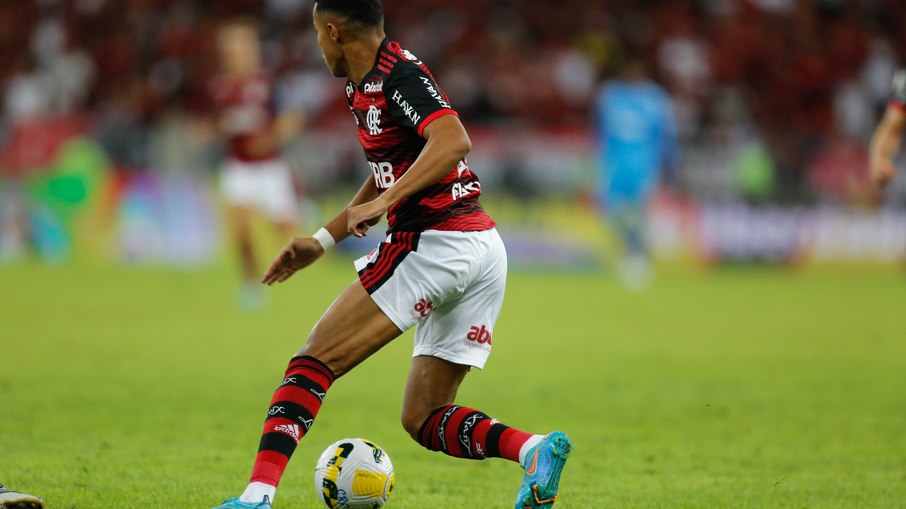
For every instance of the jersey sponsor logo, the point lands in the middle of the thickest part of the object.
(373, 119)
(422, 309)
(290, 430)
(373, 87)
(408, 110)
(383, 174)
(429, 86)
(350, 89)
(463, 190)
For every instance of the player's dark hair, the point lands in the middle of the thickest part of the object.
(367, 13)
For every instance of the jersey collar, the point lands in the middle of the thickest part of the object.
(374, 67)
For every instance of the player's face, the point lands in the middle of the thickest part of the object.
(331, 50)
(239, 52)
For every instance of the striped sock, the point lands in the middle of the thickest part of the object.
(291, 414)
(467, 433)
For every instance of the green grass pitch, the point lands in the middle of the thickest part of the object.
(743, 388)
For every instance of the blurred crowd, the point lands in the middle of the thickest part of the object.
(800, 83)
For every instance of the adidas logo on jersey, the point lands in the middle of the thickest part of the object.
(291, 430)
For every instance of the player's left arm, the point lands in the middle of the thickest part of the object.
(447, 144)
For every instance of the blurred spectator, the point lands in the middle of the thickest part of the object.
(799, 75)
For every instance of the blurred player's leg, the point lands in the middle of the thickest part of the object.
(628, 216)
(241, 222)
(350, 331)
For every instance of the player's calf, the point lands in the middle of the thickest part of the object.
(468, 433)
(291, 414)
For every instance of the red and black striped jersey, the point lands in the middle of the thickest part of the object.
(392, 106)
(245, 111)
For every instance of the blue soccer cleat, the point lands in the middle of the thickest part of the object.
(15, 500)
(234, 503)
(543, 465)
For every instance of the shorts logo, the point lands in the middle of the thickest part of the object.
(422, 309)
(479, 337)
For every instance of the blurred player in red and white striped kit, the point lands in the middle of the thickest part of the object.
(254, 175)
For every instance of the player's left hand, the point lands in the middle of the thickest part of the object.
(361, 217)
(298, 254)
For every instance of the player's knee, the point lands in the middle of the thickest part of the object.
(312, 349)
(412, 423)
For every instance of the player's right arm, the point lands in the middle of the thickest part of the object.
(884, 145)
(300, 252)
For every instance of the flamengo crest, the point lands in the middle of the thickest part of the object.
(374, 120)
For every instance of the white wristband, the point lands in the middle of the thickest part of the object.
(324, 238)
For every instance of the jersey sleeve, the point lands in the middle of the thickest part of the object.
(899, 89)
(414, 99)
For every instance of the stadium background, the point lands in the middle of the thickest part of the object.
(120, 287)
(775, 102)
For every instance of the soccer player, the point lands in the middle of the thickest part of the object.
(637, 140)
(15, 500)
(442, 268)
(254, 176)
(889, 134)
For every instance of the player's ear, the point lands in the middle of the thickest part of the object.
(334, 32)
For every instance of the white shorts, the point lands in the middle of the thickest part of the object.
(263, 185)
(449, 284)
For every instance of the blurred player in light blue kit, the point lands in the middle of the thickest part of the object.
(637, 136)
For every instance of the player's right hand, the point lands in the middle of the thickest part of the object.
(881, 171)
(299, 253)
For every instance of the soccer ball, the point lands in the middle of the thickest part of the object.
(354, 474)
